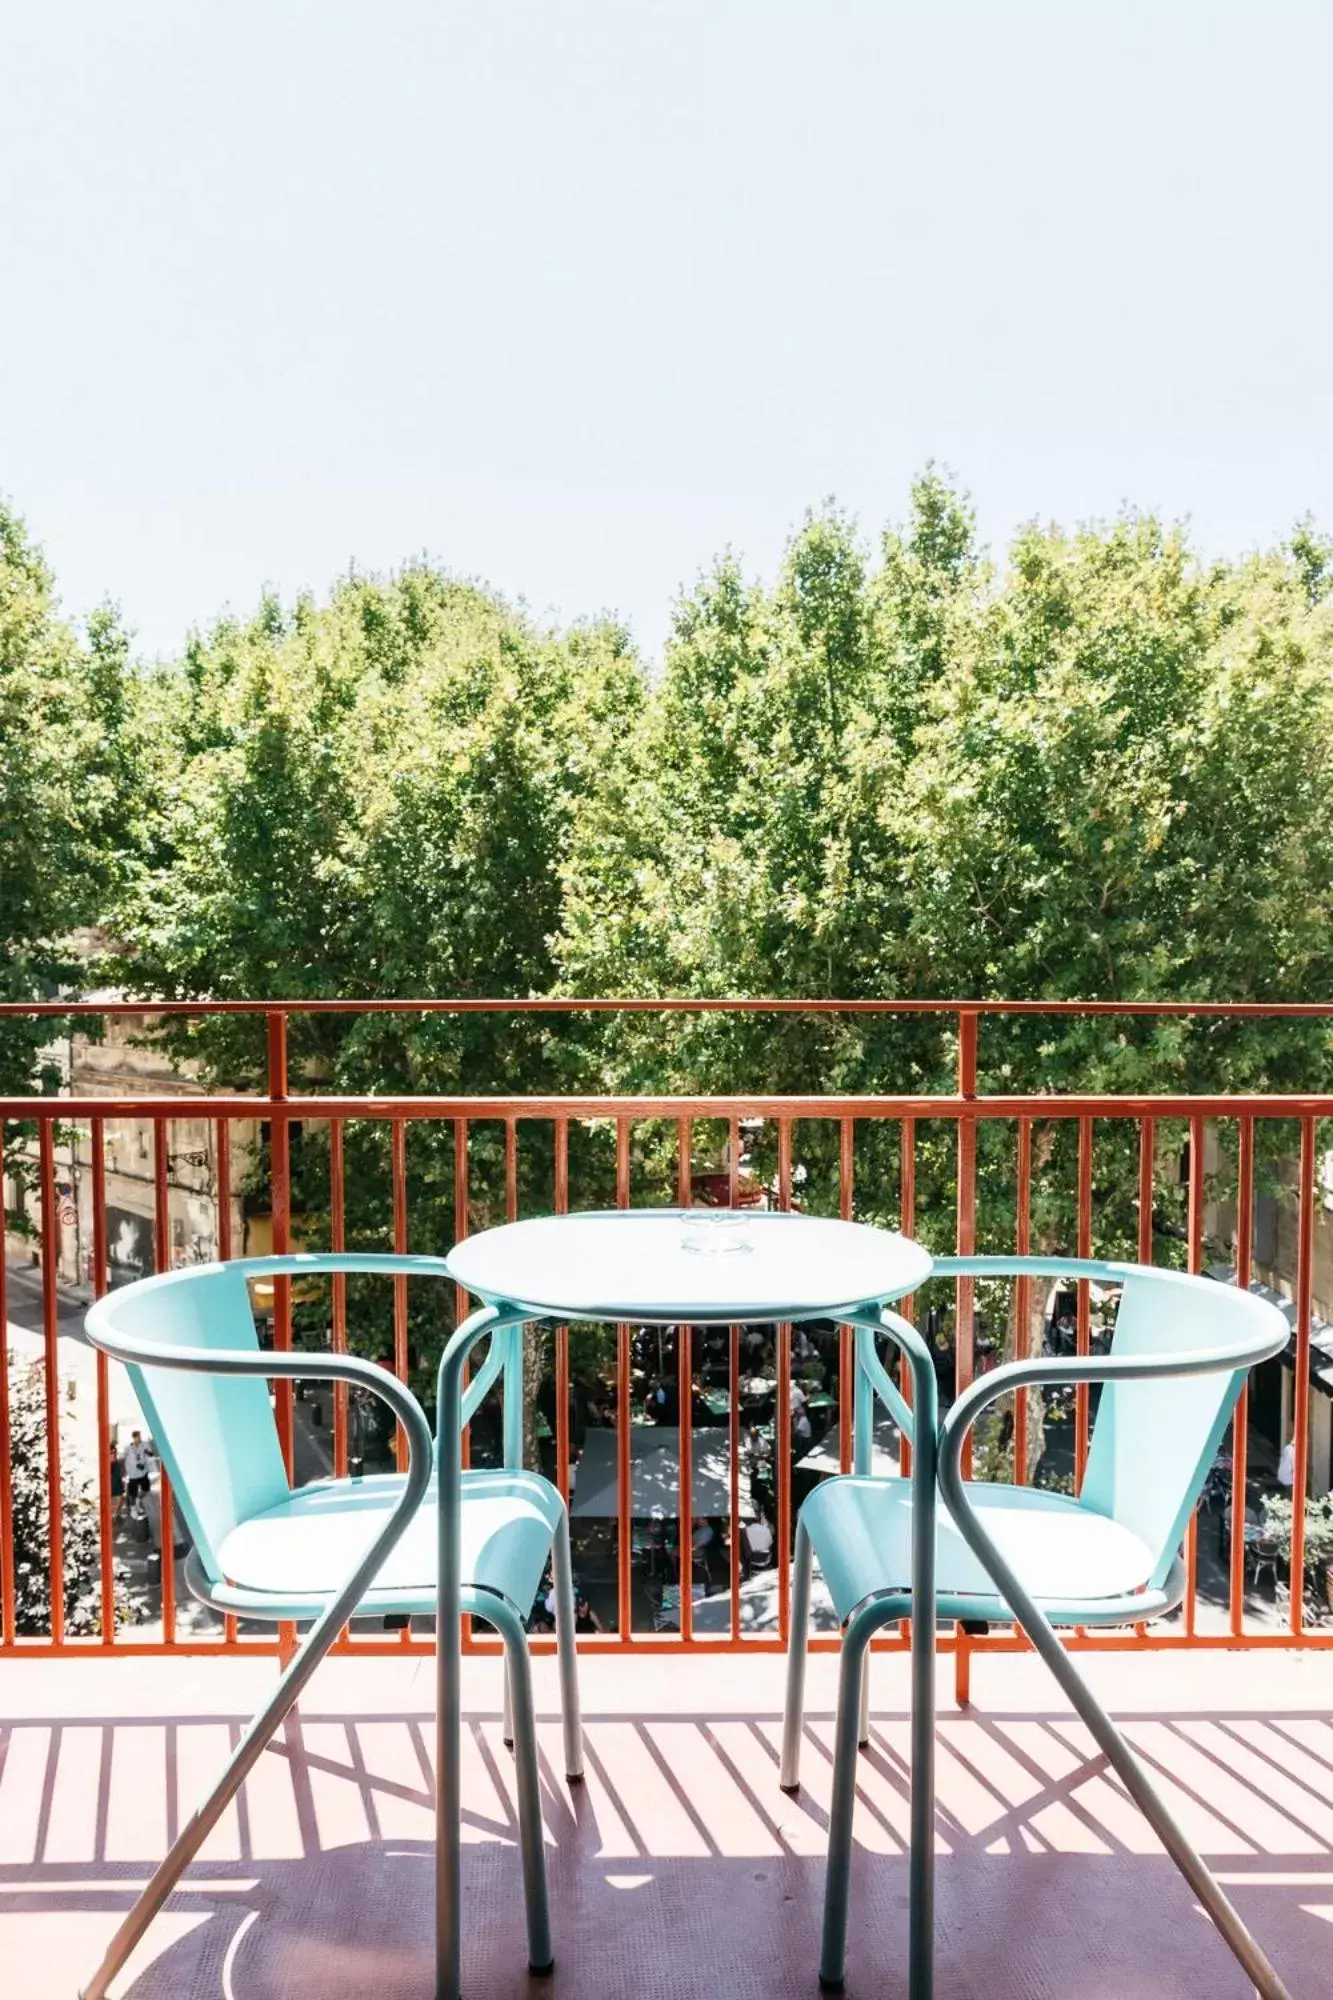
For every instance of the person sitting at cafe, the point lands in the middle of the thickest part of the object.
(585, 1617)
(756, 1545)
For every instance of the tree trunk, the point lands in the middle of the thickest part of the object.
(1025, 1343)
(535, 1338)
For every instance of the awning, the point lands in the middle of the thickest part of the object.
(761, 1607)
(654, 1475)
(1321, 1333)
(824, 1460)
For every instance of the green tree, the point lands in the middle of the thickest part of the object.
(1100, 773)
(67, 788)
(369, 799)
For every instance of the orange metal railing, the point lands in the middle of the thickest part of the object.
(965, 1109)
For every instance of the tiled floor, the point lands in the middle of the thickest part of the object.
(679, 1868)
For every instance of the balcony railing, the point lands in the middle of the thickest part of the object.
(844, 1131)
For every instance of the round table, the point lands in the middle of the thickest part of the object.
(666, 1267)
(657, 1266)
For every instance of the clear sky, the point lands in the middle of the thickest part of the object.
(572, 293)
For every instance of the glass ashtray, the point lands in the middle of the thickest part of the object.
(723, 1234)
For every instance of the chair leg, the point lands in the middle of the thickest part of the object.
(793, 1716)
(861, 1628)
(863, 1715)
(567, 1647)
(518, 1663)
(206, 1816)
(1150, 1803)
(837, 1882)
(507, 1708)
(448, 1803)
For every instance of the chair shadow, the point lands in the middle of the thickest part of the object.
(679, 1867)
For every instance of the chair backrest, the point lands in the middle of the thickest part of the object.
(1154, 1440)
(216, 1433)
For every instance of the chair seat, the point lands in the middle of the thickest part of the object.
(310, 1541)
(861, 1532)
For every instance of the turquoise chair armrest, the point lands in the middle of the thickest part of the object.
(1031, 1267)
(309, 1263)
(503, 1357)
(873, 1379)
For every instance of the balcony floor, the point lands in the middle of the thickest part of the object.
(679, 1868)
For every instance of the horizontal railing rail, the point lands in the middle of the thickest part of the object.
(1244, 1010)
(46, 1121)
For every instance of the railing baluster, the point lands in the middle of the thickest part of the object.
(461, 1297)
(400, 1354)
(1083, 1334)
(8, 1614)
(734, 1481)
(337, 1242)
(55, 1538)
(1147, 1156)
(1240, 1420)
(624, 1525)
(280, 1176)
(106, 1550)
(685, 1398)
(1194, 1261)
(846, 1372)
(162, 1262)
(907, 1307)
(222, 1148)
(1022, 1294)
(784, 1408)
(965, 1287)
(1147, 1162)
(966, 1238)
(515, 1398)
(734, 1417)
(562, 1332)
(1301, 1381)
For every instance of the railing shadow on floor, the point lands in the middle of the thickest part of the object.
(678, 1868)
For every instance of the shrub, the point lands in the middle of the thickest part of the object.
(79, 1527)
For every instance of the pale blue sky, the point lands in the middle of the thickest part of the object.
(570, 293)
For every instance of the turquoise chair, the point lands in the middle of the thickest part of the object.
(1006, 1554)
(339, 1547)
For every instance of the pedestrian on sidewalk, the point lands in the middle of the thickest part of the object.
(138, 1468)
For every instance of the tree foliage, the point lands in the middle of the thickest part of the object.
(1101, 772)
(370, 799)
(68, 787)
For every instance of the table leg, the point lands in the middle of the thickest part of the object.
(921, 1868)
